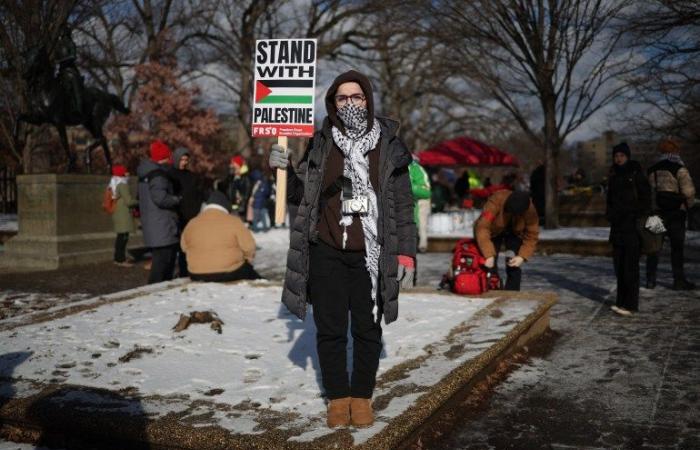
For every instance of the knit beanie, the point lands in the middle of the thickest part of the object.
(118, 170)
(669, 145)
(348, 77)
(238, 160)
(160, 151)
(219, 198)
(622, 147)
(517, 203)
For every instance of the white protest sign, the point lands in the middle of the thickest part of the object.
(285, 80)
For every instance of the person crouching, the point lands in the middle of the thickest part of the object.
(218, 245)
(510, 219)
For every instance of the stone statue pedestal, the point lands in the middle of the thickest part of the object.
(61, 223)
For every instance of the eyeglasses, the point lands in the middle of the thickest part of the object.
(355, 99)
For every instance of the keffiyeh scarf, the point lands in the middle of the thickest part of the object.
(356, 144)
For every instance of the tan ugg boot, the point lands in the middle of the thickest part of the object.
(361, 414)
(338, 412)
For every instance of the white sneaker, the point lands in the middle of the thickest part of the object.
(621, 311)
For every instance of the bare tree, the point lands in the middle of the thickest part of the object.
(667, 85)
(551, 63)
(669, 80)
(125, 33)
(238, 24)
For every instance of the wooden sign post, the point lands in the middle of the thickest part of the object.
(285, 78)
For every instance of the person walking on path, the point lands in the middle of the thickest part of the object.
(158, 205)
(420, 187)
(218, 245)
(628, 202)
(122, 219)
(353, 240)
(187, 185)
(673, 193)
(508, 218)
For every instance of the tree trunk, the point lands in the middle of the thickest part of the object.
(243, 134)
(551, 150)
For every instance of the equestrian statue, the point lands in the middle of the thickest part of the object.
(61, 99)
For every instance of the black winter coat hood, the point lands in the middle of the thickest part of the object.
(365, 84)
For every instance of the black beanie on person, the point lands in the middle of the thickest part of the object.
(365, 84)
(219, 198)
(517, 203)
(622, 147)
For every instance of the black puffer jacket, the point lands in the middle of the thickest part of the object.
(397, 230)
(629, 199)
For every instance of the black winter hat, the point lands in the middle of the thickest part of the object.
(219, 198)
(365, 84)
(622, 147)
(517, 203)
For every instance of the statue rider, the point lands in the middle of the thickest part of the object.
(68, 74)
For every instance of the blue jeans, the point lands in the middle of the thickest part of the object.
(261, 220)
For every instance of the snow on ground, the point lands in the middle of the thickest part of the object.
(6, 445)
(265, 356)
(8, 223)
(14, 304)
(585, 285)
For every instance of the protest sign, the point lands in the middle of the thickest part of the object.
(285, 79)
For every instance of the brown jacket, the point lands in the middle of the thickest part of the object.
(216, 242)
(493, 221)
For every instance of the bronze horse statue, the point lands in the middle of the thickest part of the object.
(51, 101)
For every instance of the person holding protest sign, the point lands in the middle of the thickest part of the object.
(353, 240)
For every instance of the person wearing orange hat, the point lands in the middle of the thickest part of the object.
(237, 186)
(122, 219)
(673, 192)
(158, 204)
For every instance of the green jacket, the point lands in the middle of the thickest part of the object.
(122, 218)
(420, 186)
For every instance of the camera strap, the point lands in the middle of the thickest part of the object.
(341, 183)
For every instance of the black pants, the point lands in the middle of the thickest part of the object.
(512, 243)
(626, 251)
(120, 247)
(245, 272)
(182, 263)
(339, 283)
(675, 230)
(163, 264)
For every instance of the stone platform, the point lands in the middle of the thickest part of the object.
(61, 223)
(110, 371)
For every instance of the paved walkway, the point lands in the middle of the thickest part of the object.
(609, 381)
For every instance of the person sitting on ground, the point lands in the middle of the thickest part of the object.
(508, 218)
(218, 245)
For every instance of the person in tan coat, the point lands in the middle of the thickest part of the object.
(218, 245)
(510, 219)
(673, 192)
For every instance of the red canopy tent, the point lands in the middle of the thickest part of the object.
(465, 151)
